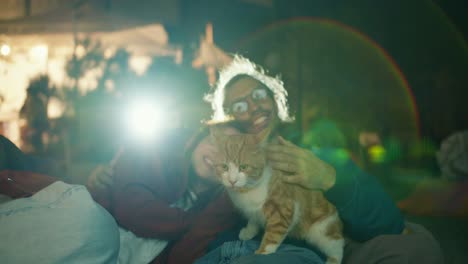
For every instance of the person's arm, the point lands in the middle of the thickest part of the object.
(18, 184)
(100, 183)
(18, 176)
(363, 205)
(138, 209)
(143, 192)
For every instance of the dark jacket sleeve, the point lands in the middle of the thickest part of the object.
(363, 205)
(139, 210)
(18, 184)
(145, 188)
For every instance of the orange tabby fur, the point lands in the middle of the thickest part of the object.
(281, 209)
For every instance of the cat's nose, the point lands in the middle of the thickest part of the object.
(232, 181)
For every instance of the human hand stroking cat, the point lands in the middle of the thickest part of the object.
(300, 166)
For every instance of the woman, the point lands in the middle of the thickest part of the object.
(167, 193)
(160, 194)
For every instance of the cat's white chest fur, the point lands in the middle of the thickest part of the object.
(251, 202)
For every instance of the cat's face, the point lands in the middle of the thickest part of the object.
(205, 153)
(240, 162)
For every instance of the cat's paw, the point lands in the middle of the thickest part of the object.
(267, 250)
(247, 233)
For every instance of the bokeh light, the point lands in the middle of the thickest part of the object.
(80, 51)
(144, 118)
(377, 154)
(39, 52)
(5, 50)
(55, 108)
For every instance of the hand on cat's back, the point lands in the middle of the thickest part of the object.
(300, 166)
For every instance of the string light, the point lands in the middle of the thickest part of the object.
(5, 50)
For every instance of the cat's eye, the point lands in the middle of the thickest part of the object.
(243, 167)
(259, 94)
(225, 167)
(239, 107)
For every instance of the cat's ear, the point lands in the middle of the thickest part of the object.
(222, 131)
(214, 132)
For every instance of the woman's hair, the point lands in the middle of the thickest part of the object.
(193, 142)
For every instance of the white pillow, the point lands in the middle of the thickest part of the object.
(138, 250)
(59, 224)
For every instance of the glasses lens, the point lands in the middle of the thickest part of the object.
(239, 107)
(259, 94)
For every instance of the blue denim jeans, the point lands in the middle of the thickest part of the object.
(242, 252)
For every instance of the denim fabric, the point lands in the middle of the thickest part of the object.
(242, 252)
(59, 224)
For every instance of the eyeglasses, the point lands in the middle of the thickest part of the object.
(241, 106)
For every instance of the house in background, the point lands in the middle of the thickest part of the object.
(38, 37)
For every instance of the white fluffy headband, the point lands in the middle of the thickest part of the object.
(243, 66)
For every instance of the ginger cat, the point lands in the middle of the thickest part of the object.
(281, 209)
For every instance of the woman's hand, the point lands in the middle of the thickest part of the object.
(301, 166)
(101, 177)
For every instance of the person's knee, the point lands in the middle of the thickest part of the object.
(425, 248)
(418, 247)
(287, 254)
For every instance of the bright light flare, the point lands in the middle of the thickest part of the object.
(5, 50)
(145, 120)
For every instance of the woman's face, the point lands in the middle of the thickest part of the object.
(202, 159)
(204, 154)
